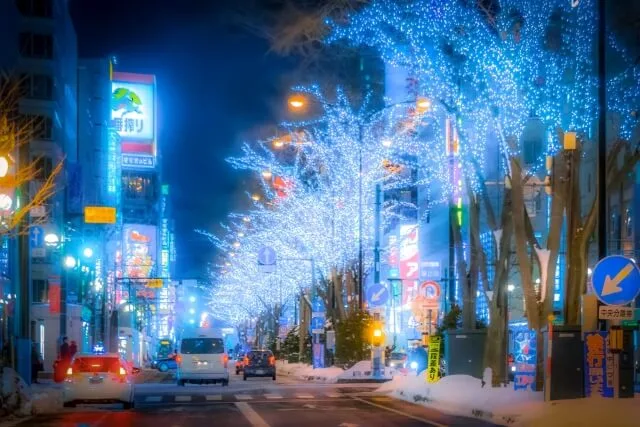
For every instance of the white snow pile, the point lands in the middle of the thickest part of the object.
(306, 372)
(363, 370)
(15, 396)
(464, 395)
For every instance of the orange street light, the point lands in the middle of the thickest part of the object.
(278, 143)
(423, 104)
(297, 101)
(256, 197)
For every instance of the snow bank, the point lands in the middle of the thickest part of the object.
(15, 396)
(306, 372)
(364, 370)
(464, 395)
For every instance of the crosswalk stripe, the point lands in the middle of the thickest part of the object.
(243, 397)
(153, 399)
(304, 396)
(214, 397)
(333, 395)
(273, 396)
(183, 398)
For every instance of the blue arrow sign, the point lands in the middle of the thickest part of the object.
(616, 280)
(377, 295)
(36, 236)
(266, 256)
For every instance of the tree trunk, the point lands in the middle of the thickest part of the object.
(338, 293)
(468, 317)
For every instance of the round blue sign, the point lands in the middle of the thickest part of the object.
(377, 295)
(616, 280)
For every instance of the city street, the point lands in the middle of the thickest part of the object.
(256, 402)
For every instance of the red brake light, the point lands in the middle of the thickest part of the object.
(246, 361)
(69, 372)
(225, 359)
(123, 371)
(178, 359)
(272, 360)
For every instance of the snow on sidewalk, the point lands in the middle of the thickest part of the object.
(464, 395)
(306, 372)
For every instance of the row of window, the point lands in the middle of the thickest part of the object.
(35, 45)
(37, 86)
(35, 8)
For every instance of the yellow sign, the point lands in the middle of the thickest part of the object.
(154, 283)
(433, 368)
(99, 215)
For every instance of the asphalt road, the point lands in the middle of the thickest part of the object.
(255, 403)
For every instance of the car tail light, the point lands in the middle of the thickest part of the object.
(272, 360)
(69, 372)
(246, 361)
(179, 359)
(123, 371)
(225, 359)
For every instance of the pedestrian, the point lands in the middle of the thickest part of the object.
(64, 350)
(73, 349)
(36, 363)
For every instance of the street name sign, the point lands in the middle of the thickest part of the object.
(616, 280)
(610, 312)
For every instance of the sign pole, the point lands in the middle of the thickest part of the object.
(547, 377)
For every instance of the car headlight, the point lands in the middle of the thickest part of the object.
(513, 369)
(414, 365)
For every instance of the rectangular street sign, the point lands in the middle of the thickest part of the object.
(99, 215)
(613, 312)
(154, 283)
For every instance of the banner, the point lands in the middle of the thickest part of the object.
(54, 298)
(524, 359)
(433, 368)
(598, 365)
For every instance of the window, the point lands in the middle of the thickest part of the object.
(36, 8)
(202, 346)
(97, 364)
(34, 45)
(40, 291)
(44, 168)
(42, 126)
(38, 86)
(137, 186)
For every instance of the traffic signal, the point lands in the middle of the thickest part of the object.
(7, 184)
(377, 335)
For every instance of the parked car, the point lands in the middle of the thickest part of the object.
(99, 378)
(397, 360)
(239, 363)
(259, 363)
(164, 365)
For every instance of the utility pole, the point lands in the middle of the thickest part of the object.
(602, 132)
(360, 250)
(376, 250)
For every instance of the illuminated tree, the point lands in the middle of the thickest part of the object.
(494, 67)
(17, 176)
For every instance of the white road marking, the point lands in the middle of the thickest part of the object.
(214, 397)
(153, 399)
(304, 396)
(243, 397)
(334, 395)
(273, 396)
(183, 398)
(252, 416)
(395, 411)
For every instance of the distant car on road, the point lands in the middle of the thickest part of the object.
(164, 365)
(201, 359)
(239, 363)
(99, 378)
(259, 363)
(397, 360)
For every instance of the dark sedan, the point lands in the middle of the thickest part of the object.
(259, 363)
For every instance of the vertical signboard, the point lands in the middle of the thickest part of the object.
(133, 117)
(433, 367)
(54, 294)
(598, 365)
(409, 259)
(139, 250)
(524, 359)
(164, 233)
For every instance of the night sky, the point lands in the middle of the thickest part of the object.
(215, 82)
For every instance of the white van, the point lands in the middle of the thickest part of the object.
(201, 359)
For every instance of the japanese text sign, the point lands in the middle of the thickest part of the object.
(433, 366)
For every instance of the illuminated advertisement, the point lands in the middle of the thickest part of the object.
(598, 365)
(409, 261)
(133, 114)
(139, 250)
(524, 359)
(164, 233)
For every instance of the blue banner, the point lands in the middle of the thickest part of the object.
(598, 365)
(524, 359)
